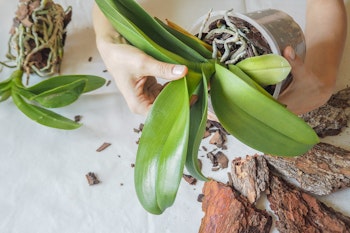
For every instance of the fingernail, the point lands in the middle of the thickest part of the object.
(178, 69)
(292, 54)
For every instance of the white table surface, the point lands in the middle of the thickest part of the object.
(43, 185)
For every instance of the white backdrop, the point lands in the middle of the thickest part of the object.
(42, 170)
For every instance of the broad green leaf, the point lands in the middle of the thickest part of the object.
(198, 120)
(184, 31)
(190, 41)
(4, 95)
(61, 96)
(155, 31)
(5, 90)
(256, 120)
(162, 148)
(92, 83)
(44, 116)
(266, 69)
(238, 72)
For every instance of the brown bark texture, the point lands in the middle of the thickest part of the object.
(322, 170)
(250, 176)
(228, 212)
(326, 120)
(298, 211)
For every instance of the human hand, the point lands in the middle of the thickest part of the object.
(134, 73)
(306, 91)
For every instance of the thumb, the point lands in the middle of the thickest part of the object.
(294, 60)
(166, 70)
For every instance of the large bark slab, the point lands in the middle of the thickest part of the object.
(298, 211)
(250, 176)
(326, 120)
(322, 170)
(228, 212)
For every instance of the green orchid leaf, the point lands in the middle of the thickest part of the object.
(62, 95)
(256, 120)
(155, 31)
(138, 38)
(44, 116)
(191, 41)
(5, 85)
(5, 90)
(162, 148)
(198, 120)
(266, 69)
(238, 72)
(92, 83)
(4, 95)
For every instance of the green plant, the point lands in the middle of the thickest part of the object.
(173, 129)
(37, 37)
(55, 92)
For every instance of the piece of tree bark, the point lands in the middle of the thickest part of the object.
(341, 99)
(326, 120)
(298, 211)
(228, 212)
(250, 176)
(322, 170)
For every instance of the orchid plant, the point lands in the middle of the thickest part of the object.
(174, 129)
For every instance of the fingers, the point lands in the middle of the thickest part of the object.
(165, 70)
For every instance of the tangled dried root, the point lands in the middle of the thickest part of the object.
(37, 36)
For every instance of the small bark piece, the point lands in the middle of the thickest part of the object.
(218, 139)
(189, 179)
(91, 178)
(341, 99)
(300, 212)
(322, 170)
(103, 146)
(326, 120)
(250, 176)
(222, 159)
(226, 212)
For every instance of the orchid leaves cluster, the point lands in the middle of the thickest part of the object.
(55, 92)
(174, 128)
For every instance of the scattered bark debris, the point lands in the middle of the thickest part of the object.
(139, 129)
(190, 179)
(298, 211)
(132, 165)
(226, 211)
(105, 71)
(250, 176)
(322, 170)
(103, 146)
(90, 59)
(326, 120)
(91, 178)
(218, 139)
(341, 99)
(108, 83)
(200, 197)
(78, 118)
(219, 160)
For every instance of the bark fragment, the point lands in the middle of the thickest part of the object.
(226, 211)
(322, 170)
(326, 120)
(341, 99)
(250, 176)
(298, 211)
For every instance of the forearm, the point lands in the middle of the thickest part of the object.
(325, 36)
